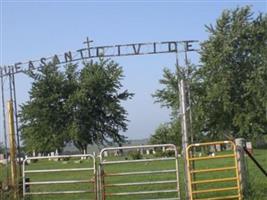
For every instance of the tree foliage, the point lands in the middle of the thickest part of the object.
(43, 116)
(234, 75)
(83, 107)
(167, 133)
(228, 91)
(168, 96)
(98, 115)
(2, 148)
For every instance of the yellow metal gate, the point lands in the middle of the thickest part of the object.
(213, 171)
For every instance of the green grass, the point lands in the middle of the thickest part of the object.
(257, 191)
(257, 181)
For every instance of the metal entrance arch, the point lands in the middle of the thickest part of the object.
(48, 182)
(90, 52)
(217, 177)
(146, 179)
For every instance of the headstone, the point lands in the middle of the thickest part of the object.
(33, 153)
(28, 161)
(163, 149)
(212, 148)
(5, 162)
(218, 147)
(147, 152)
(116, 153)
(2, 159)
(249, 147)
(53, 154)
(229, 147)
(105, 154)
(141, 151)
(84, 157)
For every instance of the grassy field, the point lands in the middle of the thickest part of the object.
(257, 190)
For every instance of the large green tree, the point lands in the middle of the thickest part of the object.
(228, 91)
(234, 75)
(96, 104)
(83, 107)
(43, 116)
(168, 96)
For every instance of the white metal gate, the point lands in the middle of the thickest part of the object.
(41, 179)
(153, 176)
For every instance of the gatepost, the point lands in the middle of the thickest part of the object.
(242, 167)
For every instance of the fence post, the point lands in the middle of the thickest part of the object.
(184, 125)
(13, 153)
(242, 167)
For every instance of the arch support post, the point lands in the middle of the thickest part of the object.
(12, 144)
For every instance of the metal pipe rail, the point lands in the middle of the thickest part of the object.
(140, 183)
(103, 175)
(140, 192)
(221, 198)
(193, 192)
(213, 157)
(58, 182)
(137, 161)
(58, 170)
(212, 170)
(91, 179)
(140, 172)
(60, 192)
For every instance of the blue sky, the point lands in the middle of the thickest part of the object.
(33, 29)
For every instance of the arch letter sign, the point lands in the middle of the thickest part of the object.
(100, 51)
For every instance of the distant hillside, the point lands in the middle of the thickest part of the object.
(71, 149)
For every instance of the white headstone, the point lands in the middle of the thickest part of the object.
(249, 145)
(218, 147)
(116, 153)
(4, 161)
(141, 151)
(105, 154)
(212, 148)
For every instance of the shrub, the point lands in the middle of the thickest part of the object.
(136, 155)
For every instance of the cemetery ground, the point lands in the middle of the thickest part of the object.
(257, 181)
